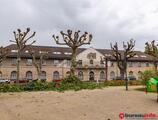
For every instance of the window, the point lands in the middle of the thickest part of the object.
(55, 62)
(43, 75)
(101, 62)
(102, 75)
(147, 64)
(68, 62)
(13, 75)
(91, 62)
(68, 53)
(112, 75)
(80, 75)
(56, 75)
(29, 61)
(67, 73)
(57, 53)
(80, 63)
(43, 52)
(15, 51)
(139, 64)
(130, 64)
(29, 75)
(14, 61)
(131, 73)
(112, 64)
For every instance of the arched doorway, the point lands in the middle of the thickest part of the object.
(91, 76)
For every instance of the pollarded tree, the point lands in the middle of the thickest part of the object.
(122, 57)
(152, 49)
(74, 41)
(21, 39)
(38, 60)
(3, 53)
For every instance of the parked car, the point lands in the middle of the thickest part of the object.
(131, 78)
(3, 80)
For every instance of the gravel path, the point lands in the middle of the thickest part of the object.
(82, 105)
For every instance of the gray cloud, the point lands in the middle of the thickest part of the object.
(109, 21)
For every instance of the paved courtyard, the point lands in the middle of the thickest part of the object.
(81, 105)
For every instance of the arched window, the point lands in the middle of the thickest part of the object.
(102, 75)
(43, 75)
(91, 62)
(29, 75)
(56, 75)
(0, 74)
(139, 74)
(80, 75)
(131, 73)
(112, 75)
(67, 73)
(13, 75)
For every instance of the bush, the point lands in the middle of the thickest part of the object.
(39, 86)
(71, 79)
(147, 74)
(10, 88)
(32, 86)
(122, 82)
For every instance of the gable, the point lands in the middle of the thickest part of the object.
(90, 53)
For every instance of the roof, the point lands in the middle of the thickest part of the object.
(65, 52)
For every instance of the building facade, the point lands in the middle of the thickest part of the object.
(57, 65)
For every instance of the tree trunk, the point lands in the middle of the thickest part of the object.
(39, 74)
(122, 74)
(73, 61)
(18, 68)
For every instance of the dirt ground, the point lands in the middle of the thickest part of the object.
(82, 105)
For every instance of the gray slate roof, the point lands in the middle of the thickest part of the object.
(140, 56)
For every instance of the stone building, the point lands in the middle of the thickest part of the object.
(57, 65)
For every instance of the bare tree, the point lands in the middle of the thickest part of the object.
(21, 40)
(38, 60)
(74, 41)
(123, 57)
(152, 49)
(3, 53)
(104, 61)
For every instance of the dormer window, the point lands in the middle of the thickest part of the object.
(15, 51)
(43, 52)
(26, 51)
(57, 53)
(143, 56)
(68, 53)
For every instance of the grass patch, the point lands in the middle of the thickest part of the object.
(143, 90)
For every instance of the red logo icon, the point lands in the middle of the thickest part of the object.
(121, 115)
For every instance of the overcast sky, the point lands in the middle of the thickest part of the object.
(109, 21)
